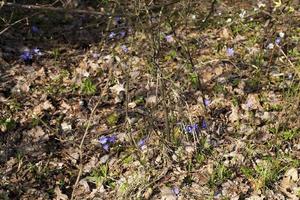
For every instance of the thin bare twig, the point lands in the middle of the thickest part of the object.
(11, 25)
(289, 61)
(42, 7)
(87, 127)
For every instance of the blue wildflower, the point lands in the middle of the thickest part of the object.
(278, 40)
(106, 147)
(142, 143)
(124, 48)
(204, 125)
(191, 128)
(112, 35)
(34, 29)
(96, 55)
(118, 19)
(112, 139)
(206, 102)
(175, 190)
(122, 33)
(169, 38)
(37, 51)
(103, 140)
(26, 56)
(230, 52)
(106, 141)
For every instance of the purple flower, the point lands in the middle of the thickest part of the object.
(124, 48)
(230, 52)
(169, 38)
(278, 40)
(103, 140)
(175, 190)
(106, 141)
(26, 56)
(204, 125)
(106, 147)
(249, 104)
(191, 128)
(118, 19)
(37, 51)
(206, 102)
(96, 55)
(142, 143)
(112, 35)
(112, 139)
(34, 29)
(122, 33)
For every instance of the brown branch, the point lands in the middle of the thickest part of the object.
(42, 7)
(79, 11)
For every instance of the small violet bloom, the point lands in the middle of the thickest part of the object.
(124, 48)
(103, 140)
(34, 29)
(37, 51)
(122, 33)
(118, 19)
(175, 190)
(278, 40)
(142, 143)
(106, 141)
(206, 102)
(204, 124)
(26, 56)
(106, 147)
(169, 38)
(112, 35)
(191, 128)
(230, 52)
(112, 139)
(96, 55)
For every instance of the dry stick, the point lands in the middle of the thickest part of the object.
(79, 11)
(11, 25)
(156, 49)
(290, 62)
(211, 11)
(41, 7)
(87, 128)
(126, 107)
(81, 146)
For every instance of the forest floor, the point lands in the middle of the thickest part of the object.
(186, 100)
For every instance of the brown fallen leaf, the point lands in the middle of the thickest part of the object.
(59, 194)
(167, 194)
(288, 183)
(38, 134)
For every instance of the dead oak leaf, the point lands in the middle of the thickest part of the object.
(38, 134)
(116, 89)
(38, 110)
(59, 194)
(288, 183)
